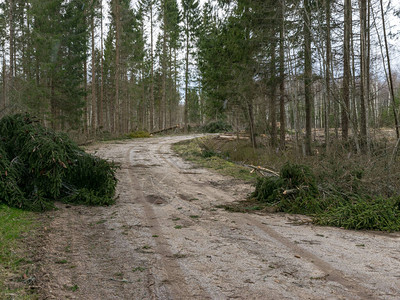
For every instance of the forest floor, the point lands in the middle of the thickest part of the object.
(165, 238)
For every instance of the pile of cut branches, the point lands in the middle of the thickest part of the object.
(39, 165)
(296, 191)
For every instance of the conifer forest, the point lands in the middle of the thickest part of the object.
(199, 149)
(267, 67)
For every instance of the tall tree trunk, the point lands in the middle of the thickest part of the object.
(4, 81)
(176, 96)
(368, 68)
(94, 107)
(272, 104)
(251, 124)
(142, 111)
(151, 71)
(346, 70)
(85, 112)
(327, 71)
(282, 116)
(171, 89)
(117, 126)
(390, 72)
(353, 98)
(12, 45)
(29, 44)
(363, 73)
(101, 68)
(308, 75)
(164, 70)
(185, 118)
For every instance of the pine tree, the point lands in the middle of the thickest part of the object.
(60, 40)
(173, 17)
(190, 16)
(148, 8)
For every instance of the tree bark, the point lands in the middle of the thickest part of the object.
(327, 71)
(363, 73)
(346, 70)
(151, 108)
(390, 72)
(11, 53)
(117, 66)
(272, 104)
(102, 69)
(4, 81)
(94, 107)
(308, 75)
(85, 113)
(186, 76)
(251, 125)
(164, 70)
(282, 116)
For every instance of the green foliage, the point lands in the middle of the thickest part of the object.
(91, 181)
(194, 106)
(387, 118)
(299, 177)
(364, 213)
(216, 127)
(267, 189)
(209, 153)
(59, 39)
(39, 165)
(296, 191)
(9, 189)
(335, 188)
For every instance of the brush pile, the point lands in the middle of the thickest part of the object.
(39, 166)
(296, 191)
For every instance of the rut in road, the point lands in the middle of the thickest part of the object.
(165, 239)
(334, 275)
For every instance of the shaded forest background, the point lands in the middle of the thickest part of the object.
(310, 69)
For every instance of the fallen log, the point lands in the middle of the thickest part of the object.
(165, 129)
(261, 169)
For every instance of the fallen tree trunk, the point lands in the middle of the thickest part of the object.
(165, 129)
(261, 169)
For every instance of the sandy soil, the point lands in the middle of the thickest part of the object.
(165, 239)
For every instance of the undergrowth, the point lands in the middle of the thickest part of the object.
(193, 150)
(216, 127)
(138, 134)
(39, 165)
(335, 187)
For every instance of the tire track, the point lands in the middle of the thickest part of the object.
(225, 255)
(177, 285)
(334, 274)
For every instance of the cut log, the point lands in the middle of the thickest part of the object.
(165, 129)
(261, 169)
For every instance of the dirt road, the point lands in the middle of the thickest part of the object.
(165, 239)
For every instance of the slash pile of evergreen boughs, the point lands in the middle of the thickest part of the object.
(216, 127)
(39, 166)
(296, 191)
